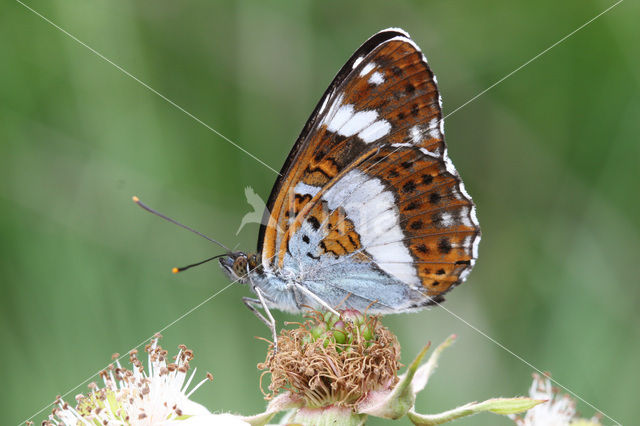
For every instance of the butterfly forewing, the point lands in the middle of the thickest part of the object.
(369, 182)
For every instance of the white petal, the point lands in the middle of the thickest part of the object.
(208, 420)
(192, 408)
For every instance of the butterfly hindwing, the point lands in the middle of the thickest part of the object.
(437, 217)
(368, 192)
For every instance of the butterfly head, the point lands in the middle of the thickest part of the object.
(238, 265)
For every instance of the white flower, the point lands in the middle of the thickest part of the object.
(138, 397)
(209, 420)
(558, 410)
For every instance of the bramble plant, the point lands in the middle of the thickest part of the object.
(330, 369)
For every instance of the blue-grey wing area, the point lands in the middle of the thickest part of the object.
(335, 253)
(365, 288)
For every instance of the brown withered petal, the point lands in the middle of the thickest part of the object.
(324, 372)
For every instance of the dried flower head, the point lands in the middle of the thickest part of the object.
(333, 360)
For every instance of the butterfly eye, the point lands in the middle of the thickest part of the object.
(240, 266)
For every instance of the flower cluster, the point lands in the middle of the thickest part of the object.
(330, 369)
(137, 396)
(557, 410)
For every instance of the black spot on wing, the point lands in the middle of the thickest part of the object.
(412, 205)
(320, 155)
(444, 245)
(314, 222)
(427, 179)
(416, 224)
(409, 186)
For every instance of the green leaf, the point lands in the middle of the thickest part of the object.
(502, 406)
(507, 406)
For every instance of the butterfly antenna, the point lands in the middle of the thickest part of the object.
(184, 268)
(175, 222)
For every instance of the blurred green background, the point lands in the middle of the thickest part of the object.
(551, 157)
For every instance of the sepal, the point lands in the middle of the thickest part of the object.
(503, 406)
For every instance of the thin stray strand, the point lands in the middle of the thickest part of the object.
(533, 59)
(518, 357)
(127, 353)
(257, 159)
(128, 74)
(140, 344)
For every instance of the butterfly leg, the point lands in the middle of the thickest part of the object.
(268, 320)
(251, 304)
(315, 297)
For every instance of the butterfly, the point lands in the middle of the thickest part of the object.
(368, 211)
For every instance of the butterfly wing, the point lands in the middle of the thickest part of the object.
(312, 140)
(368, 193)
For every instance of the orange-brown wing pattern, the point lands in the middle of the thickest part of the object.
(369, 179)
(404, 210)
(385, 90)
(436, 215)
